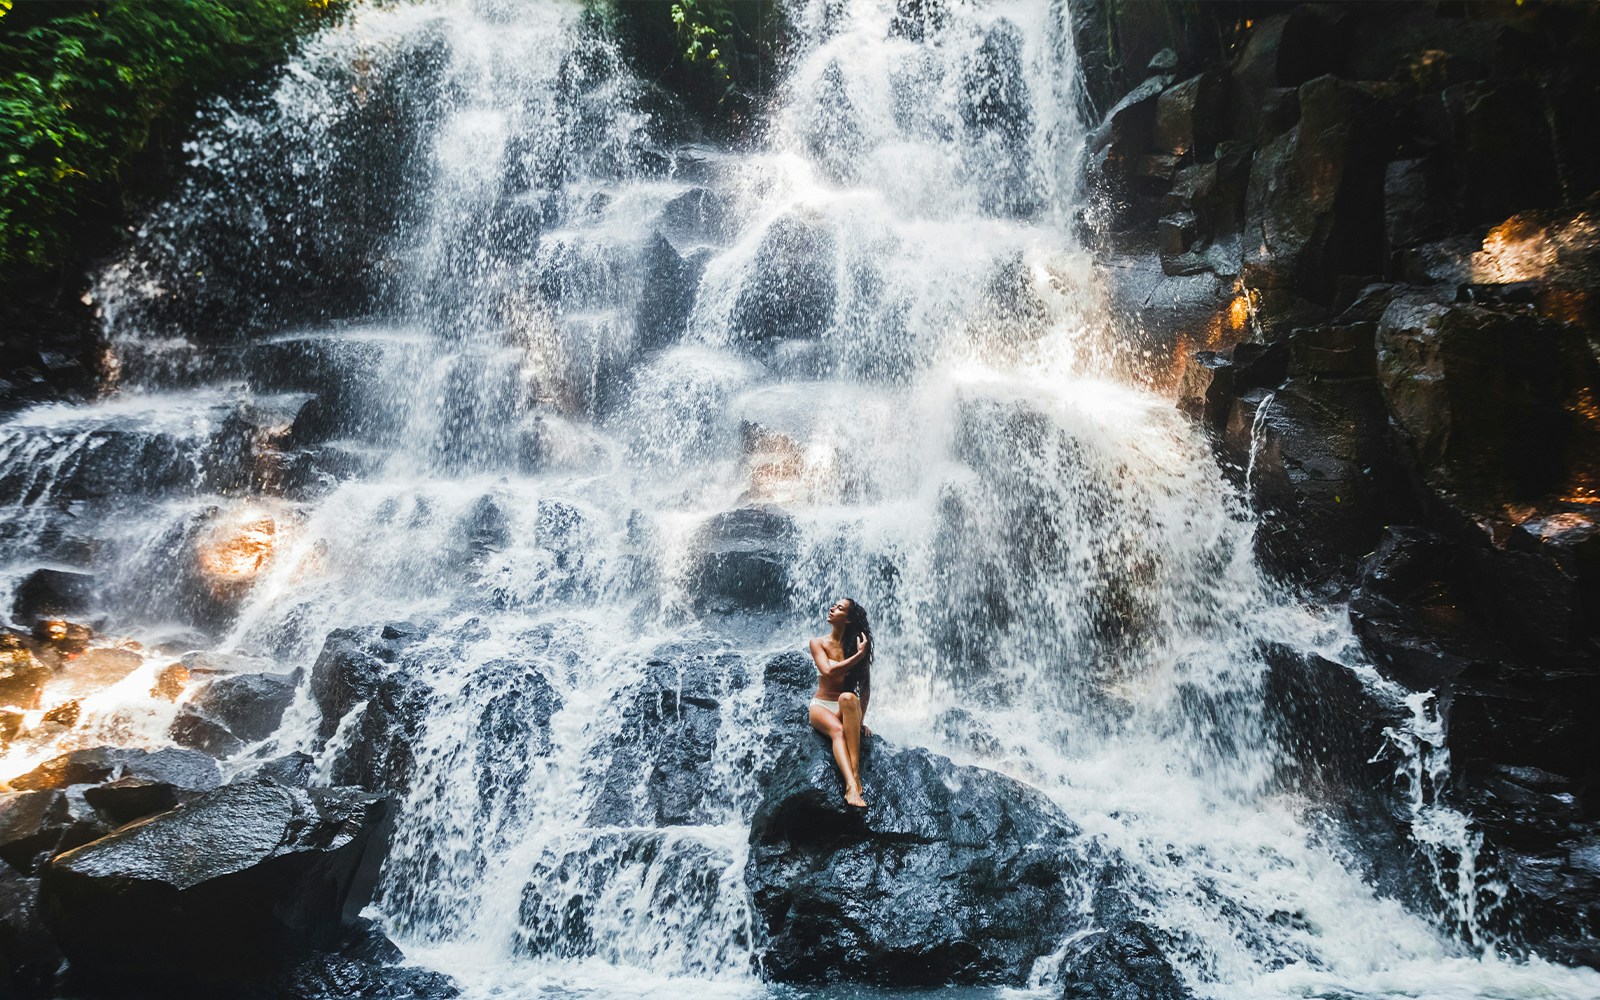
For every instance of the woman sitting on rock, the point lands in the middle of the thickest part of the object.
(844, 683)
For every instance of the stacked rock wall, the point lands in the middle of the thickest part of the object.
(1367, 236)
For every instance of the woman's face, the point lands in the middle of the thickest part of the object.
(839, 613)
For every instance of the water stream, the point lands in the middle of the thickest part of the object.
(459, 328)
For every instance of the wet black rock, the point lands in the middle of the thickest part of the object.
(52, 593)
(670, 282)
(153, 783)
(338, 977)
(1487, 402)
(229, 712)
(513, 727)
(741, 560)
(792, 292)
(1413, 613)
(78, 767)
(953, 874)
(29, 957)
(233, 885)
(35, 825)
(661, 761)
(1321, 469)
(1124, 963)
(355, 667)
(294, 770)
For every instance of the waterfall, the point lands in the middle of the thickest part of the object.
(459, 317)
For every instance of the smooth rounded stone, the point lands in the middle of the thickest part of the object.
(952, 875)
(660, 764)
(792, 291)
(22, 675)
(242, 881)
(741, 560)
(52, 593)
(229, 712)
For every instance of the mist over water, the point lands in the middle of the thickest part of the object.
(549, 342)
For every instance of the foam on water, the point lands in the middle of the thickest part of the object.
(1061, 580)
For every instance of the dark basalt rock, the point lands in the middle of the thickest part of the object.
(741, 559)
(953, 874)
(234, 885)
(670, 283)
(35, 825)
(29, 957)
(1486, 401)
(355, 667)
(338, 977)
(1322, 474)
(294, 770)
(227, 713)
(513, 727)
(1413, 615)
(52, 593)
(660, 764)
(792, 291)
(1120, 964)
(78, 767)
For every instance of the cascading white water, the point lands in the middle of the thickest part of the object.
(447, 222)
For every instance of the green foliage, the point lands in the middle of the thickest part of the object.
(707, 34)
(85, 83)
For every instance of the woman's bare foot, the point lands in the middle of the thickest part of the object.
(852, 797)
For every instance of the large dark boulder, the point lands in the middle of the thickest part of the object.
(1487, 401)
(1122, 963)
(660, 764)
(952, 875)
(332, 976)
(669, 284)
(29, 957)
(381, 673)
(229, 712)
(1319, 464)
(791, 289)
(741, 560)
(513, 727)
(233, 885)
(52, 593)
(35, 825)
(1413, 613)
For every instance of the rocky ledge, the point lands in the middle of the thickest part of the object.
(952, 875)
(133, 872)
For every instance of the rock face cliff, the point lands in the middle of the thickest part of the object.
(1367, 236)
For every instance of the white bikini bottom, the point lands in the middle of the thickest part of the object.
(831, 706)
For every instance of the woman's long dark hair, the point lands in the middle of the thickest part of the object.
(856, 626)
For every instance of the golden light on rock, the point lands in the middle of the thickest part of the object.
(235, 551)
(1239, 311)
(1523, 248)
